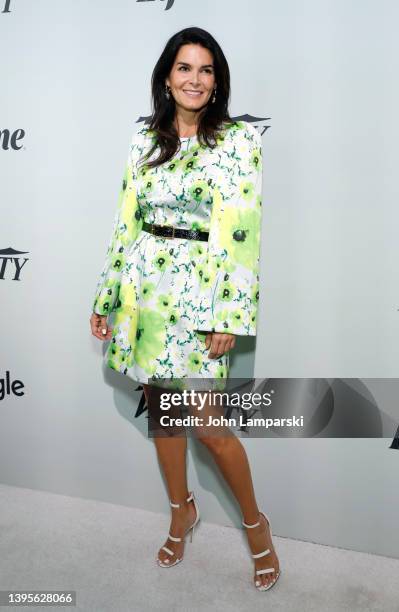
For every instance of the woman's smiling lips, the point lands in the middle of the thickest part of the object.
(192, 93)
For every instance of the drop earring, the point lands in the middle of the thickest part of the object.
(167, 92)
(214, 96)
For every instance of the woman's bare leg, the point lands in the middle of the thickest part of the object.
(171, 453)
(231, 458)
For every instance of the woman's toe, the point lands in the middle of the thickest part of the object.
(163, 557)
(272, 578)
(265, 580)
(259, 582)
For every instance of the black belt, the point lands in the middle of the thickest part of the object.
(168, 231)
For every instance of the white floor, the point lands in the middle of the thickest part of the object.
(106, 553)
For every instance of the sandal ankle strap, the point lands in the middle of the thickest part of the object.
(189, 498)
(258, 522)
(250, 526)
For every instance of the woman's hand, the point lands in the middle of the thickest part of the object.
(219, 343)
(99, 327)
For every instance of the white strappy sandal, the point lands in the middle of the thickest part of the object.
(174, 539)
(262, 554)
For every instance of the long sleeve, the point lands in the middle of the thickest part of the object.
(229, 290)
(126, 226)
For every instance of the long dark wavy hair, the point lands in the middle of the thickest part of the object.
(213, 117)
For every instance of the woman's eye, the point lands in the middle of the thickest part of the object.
(208, 70)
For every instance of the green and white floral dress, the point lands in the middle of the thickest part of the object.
(166, 293)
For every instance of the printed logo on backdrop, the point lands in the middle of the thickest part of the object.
(6, 8)
(11, 264)
(9, 140)
(169, 3)
(10, 387)
(258, 122)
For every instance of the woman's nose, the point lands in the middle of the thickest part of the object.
(195, 80)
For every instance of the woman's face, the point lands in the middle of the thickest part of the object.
(192, 78)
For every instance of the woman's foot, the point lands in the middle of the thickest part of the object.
(260, 539)
(182, 518)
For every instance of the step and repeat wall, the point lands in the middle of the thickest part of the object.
(318, 80)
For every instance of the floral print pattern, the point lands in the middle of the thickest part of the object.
(167, 293)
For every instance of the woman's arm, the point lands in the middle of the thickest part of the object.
(127, 224)
(229, 291)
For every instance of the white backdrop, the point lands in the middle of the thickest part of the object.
(322, 77)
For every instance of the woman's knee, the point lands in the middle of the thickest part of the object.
(217, 445)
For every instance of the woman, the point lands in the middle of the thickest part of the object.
(181, 295)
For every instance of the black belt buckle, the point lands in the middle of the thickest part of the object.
(193, 234)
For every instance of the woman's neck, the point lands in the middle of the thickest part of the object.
(186, 124)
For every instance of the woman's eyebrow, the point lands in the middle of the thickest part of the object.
(204, 66)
